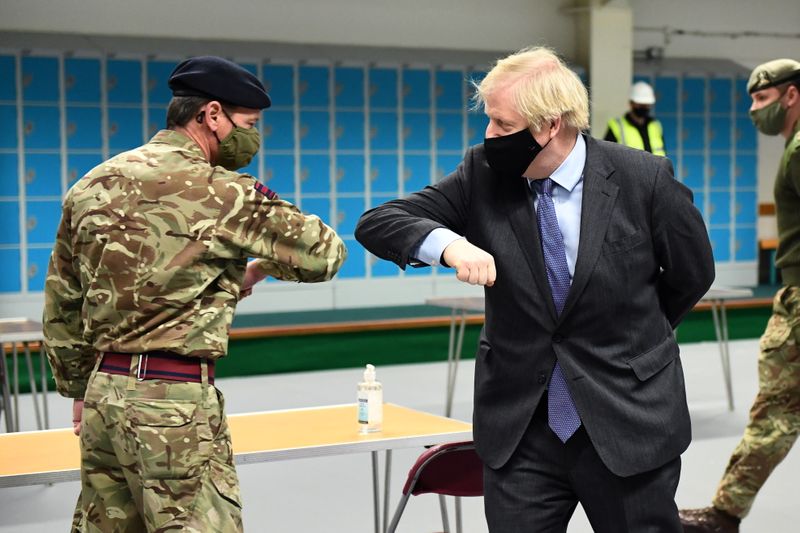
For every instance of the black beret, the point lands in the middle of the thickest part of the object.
(219, 79)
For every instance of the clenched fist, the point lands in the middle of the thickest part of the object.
(473, 265)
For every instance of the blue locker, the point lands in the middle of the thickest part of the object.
(449, 90)
(314, 174)
(43, 175)
(417, 172)
(700, 203)
(381, 268)
(670, 125)
(380, 199)
(719, 208)
(124, 81)
(745, 172)
(746, 207)
(38, 262)
(720, 95)
(350, 173)
(9, 221)
(383, 131)
(279, 82)
(8, 134)
(41, 127)
(416, 89)
(84, 128)
(320, 207)
(355, 265)
(348, 87)
(446, 165)
(349, 130)
(476, 127)
(251, 168)
(42, 221)
(8, 76)
(746, 245)
(156, 120)
(10, 259)
(666, 89)
(348, 212)
(383, 88)
(40, 79)
(82, 80)
(721, 244)
(80, 164)
(449, 131)
(314, 130)
(694, 133)
(742, 97)
(158, 73)
(693, 96)
(719, 133)
(124, 128)
(9, 175)
(719, 171)
(279, 173)
(745, 134)
(314, 86)
(417, 131)
(694, 171)
(278, 130)
(383, 173)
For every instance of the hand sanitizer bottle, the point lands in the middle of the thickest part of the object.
(370, 403)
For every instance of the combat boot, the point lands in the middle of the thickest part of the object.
(708, 520)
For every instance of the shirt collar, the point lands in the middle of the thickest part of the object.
(569, 173)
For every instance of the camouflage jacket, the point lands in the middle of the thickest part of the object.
(151, 252)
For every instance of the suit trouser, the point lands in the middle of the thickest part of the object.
(155, 456)
(775, 414)
(537, 490)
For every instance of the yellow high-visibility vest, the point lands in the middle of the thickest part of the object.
(627, 134)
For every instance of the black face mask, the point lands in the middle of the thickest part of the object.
(510, 155)
(641, 112)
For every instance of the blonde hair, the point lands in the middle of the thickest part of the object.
(542, 86)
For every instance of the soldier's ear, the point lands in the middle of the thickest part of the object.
(213, 114)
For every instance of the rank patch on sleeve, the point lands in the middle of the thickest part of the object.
(266, 191)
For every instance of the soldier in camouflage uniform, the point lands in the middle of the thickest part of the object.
(775, 414)
(150, 260)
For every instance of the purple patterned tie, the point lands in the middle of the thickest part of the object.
(561, 414)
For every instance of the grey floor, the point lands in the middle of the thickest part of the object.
(333, 494)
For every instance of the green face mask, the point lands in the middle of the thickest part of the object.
(238, 148)
(769, 120)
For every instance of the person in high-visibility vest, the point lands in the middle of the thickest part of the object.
(637, 128)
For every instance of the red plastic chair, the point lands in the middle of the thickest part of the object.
(451, 469)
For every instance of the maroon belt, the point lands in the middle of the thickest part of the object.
(157, 365)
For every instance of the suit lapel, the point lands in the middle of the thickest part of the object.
(523, 221)
(599, 195)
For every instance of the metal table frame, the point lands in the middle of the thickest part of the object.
(461, 307)
(25, 331)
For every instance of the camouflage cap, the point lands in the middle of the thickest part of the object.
(218, 79)
(773, 73)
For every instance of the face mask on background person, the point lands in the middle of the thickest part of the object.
(641, 112)
(510, 155)
(770, 119)
(239, 147)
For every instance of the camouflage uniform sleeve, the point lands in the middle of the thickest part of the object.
(71, 359)
(288, 244)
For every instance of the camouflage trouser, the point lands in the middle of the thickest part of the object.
(775, 414)
(155, 456)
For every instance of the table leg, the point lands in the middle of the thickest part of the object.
(452, 370)
(451, 350)
(721, 330)
(386, 482)
(376, 492)
(43, 363)
(9, 412)
(15, 365)
(32, 380)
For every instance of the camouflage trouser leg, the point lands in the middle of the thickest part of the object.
(775, 414)
(156, 458)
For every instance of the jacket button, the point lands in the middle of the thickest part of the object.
(542, 378)
(557, 338)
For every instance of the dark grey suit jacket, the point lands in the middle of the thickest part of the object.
(644, 260)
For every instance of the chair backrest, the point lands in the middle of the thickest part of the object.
(453, 469)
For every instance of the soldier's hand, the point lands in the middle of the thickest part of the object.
(473, 265)
(251, 276)
(77, 415)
